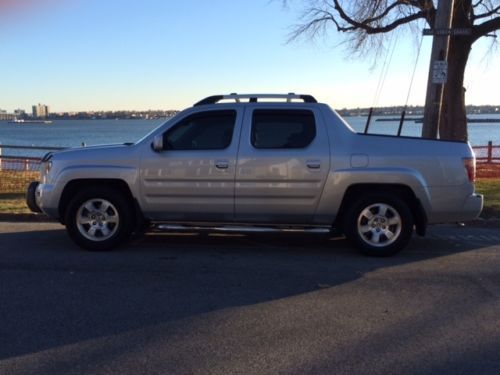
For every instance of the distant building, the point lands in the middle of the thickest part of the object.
(4, 116)
(41, 111)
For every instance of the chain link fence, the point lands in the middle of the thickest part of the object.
(19, 165)
(16, 174)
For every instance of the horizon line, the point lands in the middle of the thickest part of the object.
(496, 106)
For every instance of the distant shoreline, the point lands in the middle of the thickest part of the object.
(413, 111)
(412, 114)
(157, 114)
(420, 120)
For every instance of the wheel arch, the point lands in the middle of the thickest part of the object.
(73, 186)
(403, 191)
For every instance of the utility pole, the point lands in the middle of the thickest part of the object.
(438, 68)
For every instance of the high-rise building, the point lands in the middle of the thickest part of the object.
(41, 111)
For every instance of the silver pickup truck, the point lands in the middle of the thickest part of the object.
(259, 163)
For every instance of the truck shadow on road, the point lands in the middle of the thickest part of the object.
(59, 295)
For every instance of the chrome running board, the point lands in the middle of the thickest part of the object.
(239, 229)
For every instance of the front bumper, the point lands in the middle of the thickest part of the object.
(31, 197)
(39, 198)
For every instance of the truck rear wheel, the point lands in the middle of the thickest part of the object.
(379, 224)
(99, 218)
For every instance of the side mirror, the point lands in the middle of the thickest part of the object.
(158, 143)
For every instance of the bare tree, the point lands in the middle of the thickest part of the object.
(367, 23)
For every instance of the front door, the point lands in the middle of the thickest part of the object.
(193, 177)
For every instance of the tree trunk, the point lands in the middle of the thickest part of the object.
(453, 123)
(453, 115)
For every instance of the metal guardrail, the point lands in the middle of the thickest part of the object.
(43, 148)
(23, 162)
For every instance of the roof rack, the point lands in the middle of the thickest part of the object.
(253, 98)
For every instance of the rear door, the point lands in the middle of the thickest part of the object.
(282, 165)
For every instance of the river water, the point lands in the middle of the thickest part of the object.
(72, 133)
(479, 133)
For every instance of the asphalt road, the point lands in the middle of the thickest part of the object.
(171, 304)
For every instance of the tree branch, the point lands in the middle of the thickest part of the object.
(317, 17)
(488, 14)
(428, 7)
(384, 13)
(485, 28)
(363, 25)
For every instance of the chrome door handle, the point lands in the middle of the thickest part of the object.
(222, 164)
(313, 164)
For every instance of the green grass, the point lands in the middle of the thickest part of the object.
(13, 185)
(13, 203)
(490, 188)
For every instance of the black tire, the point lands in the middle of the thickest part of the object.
(379, 224)
(99, 218)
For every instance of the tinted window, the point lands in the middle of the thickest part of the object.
(282, 129)
(202, 131)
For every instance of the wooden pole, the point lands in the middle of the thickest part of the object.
(434, 97)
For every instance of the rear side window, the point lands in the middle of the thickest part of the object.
(282, 129)
(211, 130)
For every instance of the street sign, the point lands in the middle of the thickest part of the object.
(439, 72)
(445, 32)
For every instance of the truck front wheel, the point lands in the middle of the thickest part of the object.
(379, 224)
(99, 218)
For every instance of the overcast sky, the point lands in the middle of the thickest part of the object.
(162, 54)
